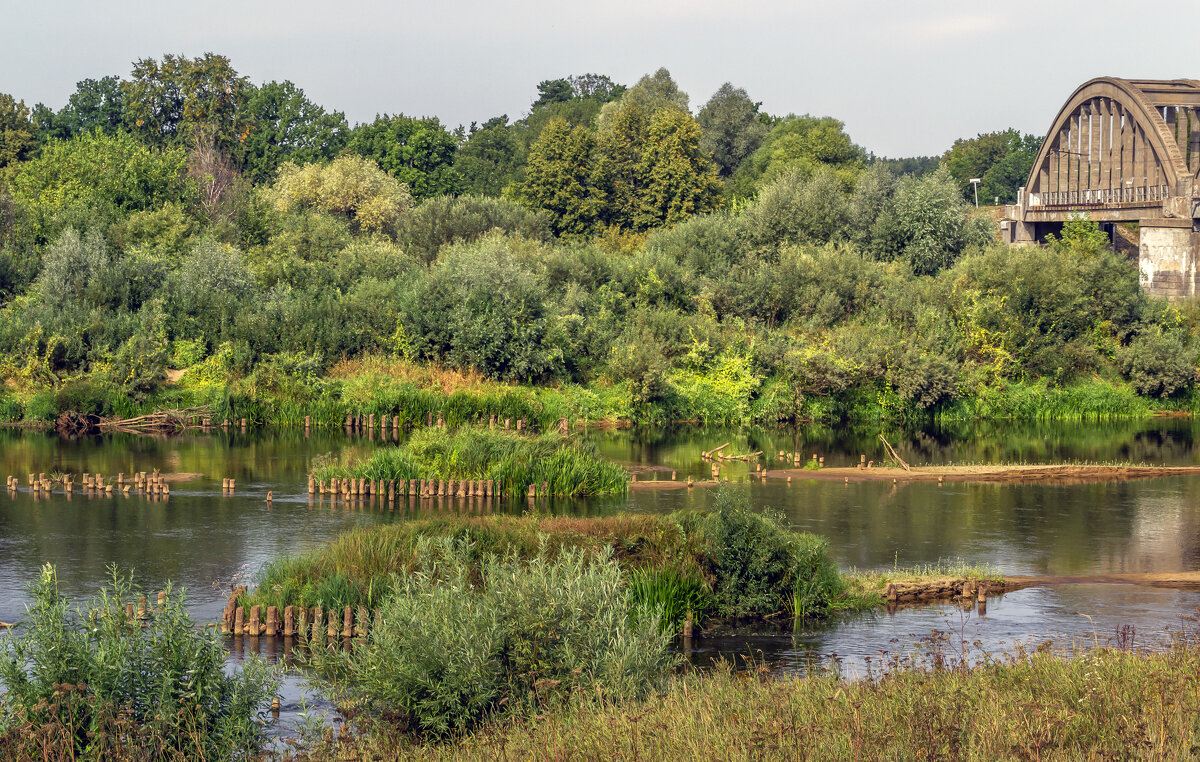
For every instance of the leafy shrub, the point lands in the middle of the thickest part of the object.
(442, 220)
(747, 555)
(95, 685)
(818, 586)
(350, 186)
(1158, 364)
(452, 652)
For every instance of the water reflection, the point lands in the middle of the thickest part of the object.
(202, 538)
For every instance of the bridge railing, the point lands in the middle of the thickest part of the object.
(1124, 195)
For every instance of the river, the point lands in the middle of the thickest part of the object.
(203, 539)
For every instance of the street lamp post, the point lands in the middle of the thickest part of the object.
(975, 184)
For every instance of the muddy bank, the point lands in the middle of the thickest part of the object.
(964, 588)
(1051, 474)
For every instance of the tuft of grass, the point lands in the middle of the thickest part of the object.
(513, 461)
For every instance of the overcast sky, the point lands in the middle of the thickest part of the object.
(906, 76)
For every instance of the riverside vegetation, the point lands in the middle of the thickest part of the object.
(513, 461)
(726, 563)
(98, 684)
(607, 256)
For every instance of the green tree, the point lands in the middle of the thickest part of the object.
(1001, 160)
(651, 93)
(932, 226)
(553, 91)
(732, 127)
(288, 127)
(1080, 237)
(681, 180)
(96, 104)
(598, 87)
(418, 152)
(110, 175)
(558, 178)
(619, 174)
(16, 131)
(800, 143)
(656, 91)
(491, 159)
(184, 100)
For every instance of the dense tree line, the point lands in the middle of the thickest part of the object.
(185, 218)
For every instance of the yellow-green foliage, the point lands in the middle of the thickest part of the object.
(351, 186)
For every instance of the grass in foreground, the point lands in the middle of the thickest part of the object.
(1104, 704)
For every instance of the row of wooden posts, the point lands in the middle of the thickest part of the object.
(364, 489)
(298, 621)
(142, 482)
(207, 425)
(367, 422)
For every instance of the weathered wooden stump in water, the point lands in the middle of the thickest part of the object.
(239, 620)
(318, 630)
(348, 623)
(255, 628)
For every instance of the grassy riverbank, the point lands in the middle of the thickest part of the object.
(283, 394)
(726, 563)
(1102, 704)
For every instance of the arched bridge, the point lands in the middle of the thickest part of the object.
(1123, 150)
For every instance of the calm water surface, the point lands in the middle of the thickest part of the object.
(202, 539)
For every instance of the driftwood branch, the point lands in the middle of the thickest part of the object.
(160, 420)
(896, 457)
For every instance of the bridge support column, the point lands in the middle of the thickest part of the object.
(1169, 257)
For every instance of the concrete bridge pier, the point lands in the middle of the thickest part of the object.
(1168, 255)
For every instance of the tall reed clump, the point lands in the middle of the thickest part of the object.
(94, 684)
(461, 643)
(513, 461)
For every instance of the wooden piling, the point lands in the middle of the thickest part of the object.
(239, 620)
(348, 623)
(289, 621)
(255, 628)
(318, 631)
(360, 622)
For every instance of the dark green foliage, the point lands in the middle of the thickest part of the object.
(492, 159)
(287, 126)
(1001, 160)
(732, 126)
(480, 308)
(1158, 364)
(417, 152)
(446, 219)
(186, 217)
(93, 684)
(748, 555)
